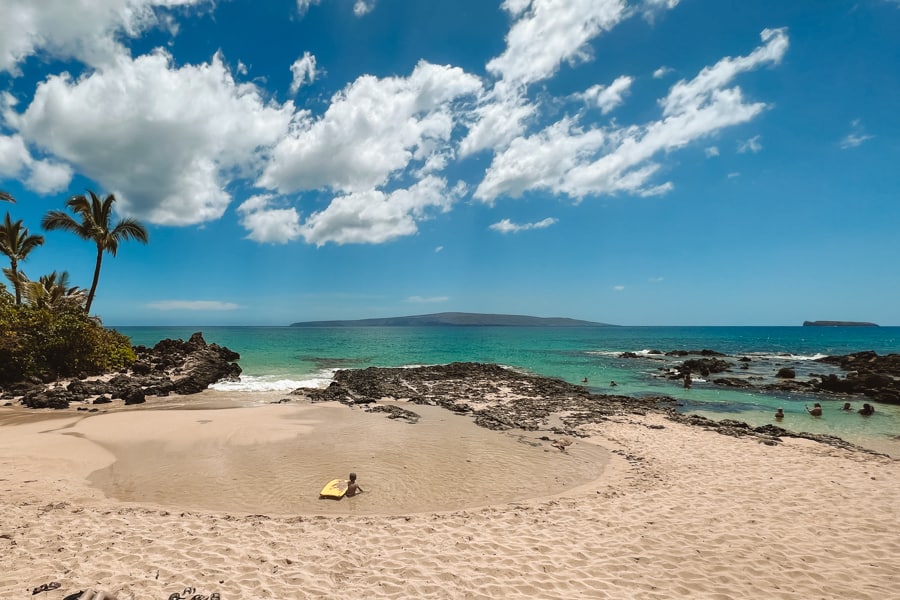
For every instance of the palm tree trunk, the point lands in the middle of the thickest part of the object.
(90, 298)
(13, 264)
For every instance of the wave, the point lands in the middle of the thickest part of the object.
(272, 383)
(785, 356)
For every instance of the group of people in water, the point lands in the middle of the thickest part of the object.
(816, 410)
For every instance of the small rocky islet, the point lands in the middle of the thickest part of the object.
(865, 373)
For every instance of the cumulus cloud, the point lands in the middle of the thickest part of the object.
(47, 176)
(41, 175)
(752, 145)
(86, 31)
(374, 128)
(618, 288)
(661, 72)
(651, 8)
(711, 151)
(566, 158)
(303, 5)
(193, 305)
(14, 156)
(363, 7)
(374, 217)
(609, 97)
(166, 141)
(266, 224)
(544, 35)
(507, 226)
(497, 122)
(856, 137)
(688, 95)
(304, 71)
(547, 33)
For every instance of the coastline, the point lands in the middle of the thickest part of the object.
(675, 511)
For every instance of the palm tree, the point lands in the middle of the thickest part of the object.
(6, 196)
(53, 291)
(16, 243)
(95, 225)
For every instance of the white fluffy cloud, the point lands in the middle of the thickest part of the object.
(304, 71)
(86, 31)
(650, 8)
(47, 176)
(14, 156)
(496, 123)
(363, 7)
(42, 176)
(689, 95)
(567, 159)
(544, 35)
(266, 224)
(609, 97)
(166, 141)
(374, 217)
(507, 226)
(303, 5)
(373, 129)
(548, 33)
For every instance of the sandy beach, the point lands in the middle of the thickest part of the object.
(220, 494)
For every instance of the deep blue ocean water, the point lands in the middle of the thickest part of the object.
(284, 358)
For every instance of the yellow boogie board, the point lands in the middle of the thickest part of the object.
(336, 488)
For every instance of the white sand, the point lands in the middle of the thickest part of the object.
(676, 512)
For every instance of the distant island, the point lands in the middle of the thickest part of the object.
(838, 324)
(453, 319)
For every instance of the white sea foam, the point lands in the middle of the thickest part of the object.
(645, 352)
(786, 356)
(249, 383)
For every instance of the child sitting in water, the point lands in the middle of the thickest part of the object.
(353, 487)
(816, 410)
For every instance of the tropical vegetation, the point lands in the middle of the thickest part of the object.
(46, 330)
(95, 226)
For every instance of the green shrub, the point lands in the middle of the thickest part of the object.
(48, 344)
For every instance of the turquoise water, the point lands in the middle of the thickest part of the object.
(284, 358)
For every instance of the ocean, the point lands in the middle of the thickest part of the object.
(285, 358)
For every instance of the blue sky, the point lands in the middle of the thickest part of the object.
(643, 162)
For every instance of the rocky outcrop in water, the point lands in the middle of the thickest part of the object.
(877, 377)
(498, 398)
(501, 399)
(171, 366)
(859, 374)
